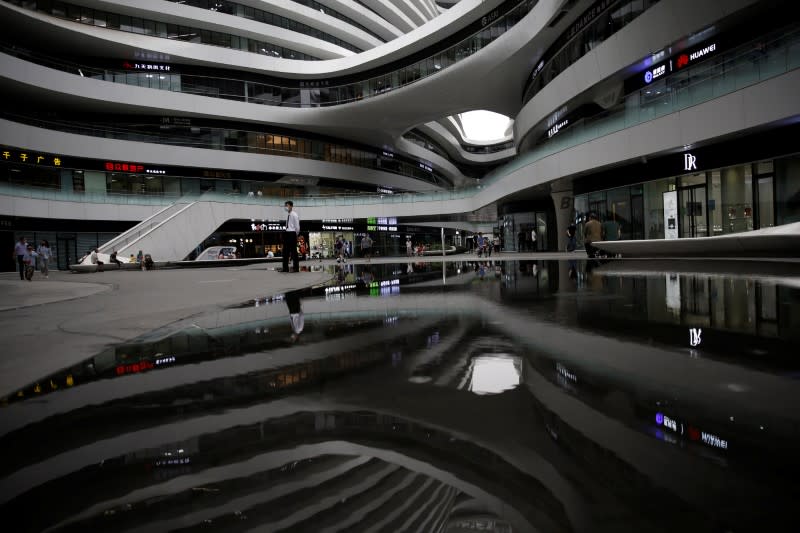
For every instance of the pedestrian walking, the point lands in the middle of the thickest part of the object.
(366, 247)
(20, 249)
(29, 259)
(44, 258)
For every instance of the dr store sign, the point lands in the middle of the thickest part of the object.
(689, 162)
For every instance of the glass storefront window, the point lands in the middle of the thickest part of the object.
(581, 209)
(766, 202)
(730, 203)
(597, 203)
(617, 220)
(653, 198)
(787, 189)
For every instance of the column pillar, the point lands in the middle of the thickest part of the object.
(563, 202)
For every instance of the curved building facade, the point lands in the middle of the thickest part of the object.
(666, 118)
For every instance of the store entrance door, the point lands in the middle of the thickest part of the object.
(66, 252)
(693, 213)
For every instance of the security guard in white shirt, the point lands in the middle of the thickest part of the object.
(290, 237)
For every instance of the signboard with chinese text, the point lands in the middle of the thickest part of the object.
(30, 157)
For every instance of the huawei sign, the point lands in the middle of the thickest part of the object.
(682, 61)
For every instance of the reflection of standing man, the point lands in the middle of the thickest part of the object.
(290, 237)
(296, 318)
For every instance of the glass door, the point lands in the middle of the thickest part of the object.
(541, 231)
(692, 205)
(66, 252)
(766, 202)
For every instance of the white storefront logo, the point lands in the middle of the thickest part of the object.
(689, 162)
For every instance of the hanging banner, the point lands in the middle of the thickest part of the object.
(671, 215)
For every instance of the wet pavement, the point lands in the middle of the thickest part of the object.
(417, 396)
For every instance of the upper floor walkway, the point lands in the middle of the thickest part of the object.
(729, 104)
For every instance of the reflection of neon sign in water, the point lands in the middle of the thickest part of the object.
(713, 440)
(694, 336)
(667, 422)
(561, 369)
(694, 434)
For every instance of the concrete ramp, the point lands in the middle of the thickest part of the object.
(778, 241)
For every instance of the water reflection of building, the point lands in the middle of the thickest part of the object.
(575, 441)
(739, 306)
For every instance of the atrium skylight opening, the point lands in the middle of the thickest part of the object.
(485, 127)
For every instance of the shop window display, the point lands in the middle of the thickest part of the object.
(730, 202)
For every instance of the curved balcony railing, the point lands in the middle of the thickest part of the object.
(420, 139)
(259, 15)
(316, 6)
(157, 28)
(745, 65)
(235, 140)
(739, 69)
(293, 93)
(573, 45)
(488, 148)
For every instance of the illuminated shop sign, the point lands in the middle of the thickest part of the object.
(337, 224)
(390, 155)
(314, 83)
(689, 162)
(685, 59)
(268, 226)
(134, 368)
(117, 166)
(122, 167)
(556, 121)
(659, 67)
(382, 224)
(694, 434)
(557, 127)
(146, 66)
(336, 227)
(655, 73)
(383, 190)
(423, 166)
(537, 70)
(31, 158)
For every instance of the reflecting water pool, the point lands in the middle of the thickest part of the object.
(465, 396)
